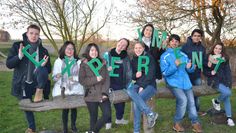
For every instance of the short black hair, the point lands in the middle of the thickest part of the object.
(198, 31)
(63, 49)
(147, 25)
(33, 26)
(174, 36)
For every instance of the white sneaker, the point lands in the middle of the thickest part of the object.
(122, 121)
(230, 122)
(108, 126)
(215, 105)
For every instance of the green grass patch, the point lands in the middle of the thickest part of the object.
(12, 119)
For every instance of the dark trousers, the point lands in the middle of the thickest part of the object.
(120, 109)
(95, 123)
(40, 80)
(73, 115)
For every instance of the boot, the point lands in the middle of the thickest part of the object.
(38, 97)
(28, 130)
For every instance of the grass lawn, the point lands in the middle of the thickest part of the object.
(12, 119)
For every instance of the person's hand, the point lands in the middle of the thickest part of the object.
(58, 75)
(177, 62)
(138, 74)
(209, 64)
(140, 89)
(104, 97)
(189, 64)
(99, 78)
(46, 60)
(109, 68)
(213, 72)
(20, 53)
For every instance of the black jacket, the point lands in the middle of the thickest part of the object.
(156, 54)
(124, 70)
(144, 80)
(190, 47)
(222, 76)
(20, 66)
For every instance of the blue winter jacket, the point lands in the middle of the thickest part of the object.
(176, 77)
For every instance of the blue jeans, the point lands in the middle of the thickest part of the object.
(225, 93)
(184, 99)
(197, 82)
(139, 102)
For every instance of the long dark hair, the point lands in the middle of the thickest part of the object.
(86, 52)
(223, 52)
(62, 50)
(148, 25)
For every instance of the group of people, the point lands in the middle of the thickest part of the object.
(172, 64)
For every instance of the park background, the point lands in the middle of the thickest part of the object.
(104, 22)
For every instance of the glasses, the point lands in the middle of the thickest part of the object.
(70, 49)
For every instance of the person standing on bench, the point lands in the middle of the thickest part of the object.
(27, 78)
(66, 84)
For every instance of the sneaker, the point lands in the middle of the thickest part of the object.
(178, 127)
(28, 130)
(215, 105)
(121, 121)
(197, 128)
(89, 132)
(230, 122)
(108, 126)
(151, 119)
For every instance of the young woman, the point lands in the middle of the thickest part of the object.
(96, 88)
(143, 89)
(125, 76)
(67, 84)
(147, 35)
(174, 66)
(220, 79)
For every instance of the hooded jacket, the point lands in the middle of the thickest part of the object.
(20, 66)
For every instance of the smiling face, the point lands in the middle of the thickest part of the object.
(33, 35)
(196, 37)
(69, 51)
(93, 53)
(173, 43)
(121, 45)
(217, 50)
(148, 32)
(138, 49)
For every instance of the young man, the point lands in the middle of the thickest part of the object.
(194, 44)
(27, 78)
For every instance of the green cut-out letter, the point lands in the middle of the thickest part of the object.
(220, 60)
(113, 59)
(69, 64)
(95, 69)
(197, 60)
(145, 65)
(32, 56)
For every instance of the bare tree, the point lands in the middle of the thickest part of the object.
(212, 16)
(67, 19)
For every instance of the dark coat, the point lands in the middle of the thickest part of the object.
(94, 90)
(222, 76)
(156, 54)
(148, 79)
(188, 48)
(124, 70)
(20, 66)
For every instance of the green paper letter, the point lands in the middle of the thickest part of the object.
(145, 65)
(95, 70)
